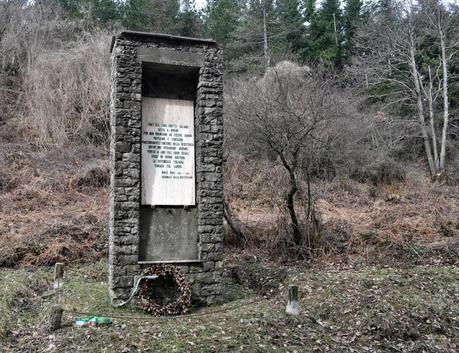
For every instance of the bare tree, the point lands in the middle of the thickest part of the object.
(284, 115)
(431, 95)
(61, 73)
(412, 45)
(265, 39)
(442, 27)
(390, 48)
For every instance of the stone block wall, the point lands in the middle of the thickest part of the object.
(126, 102)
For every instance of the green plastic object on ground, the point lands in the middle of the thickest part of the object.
(92, 321)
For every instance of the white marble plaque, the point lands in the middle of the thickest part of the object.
(168, 162)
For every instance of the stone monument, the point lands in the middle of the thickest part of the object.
(166, 201)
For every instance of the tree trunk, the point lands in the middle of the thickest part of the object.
(444, 63)
(296, 233)
(265, 40)
(425, 136)
(291, 209)
(233, 223)
(308, 214)
(335, 30)
(432, 122)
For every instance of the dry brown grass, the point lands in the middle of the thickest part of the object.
(361, 222)
(389, 221)
(47, 216)
(54, 75)
(53, 207)
(67, 93)
(53, 202)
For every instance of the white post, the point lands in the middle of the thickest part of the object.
(293, 305)
(58, 275)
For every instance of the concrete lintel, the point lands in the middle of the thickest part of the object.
(163, 36)
(168, 36)
(170, 57)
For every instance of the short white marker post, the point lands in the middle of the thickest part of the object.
(55, 315)
(58, 275)
(293, 305)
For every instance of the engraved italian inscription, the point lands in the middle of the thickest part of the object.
(168, 161)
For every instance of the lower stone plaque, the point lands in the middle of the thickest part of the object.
(168, 234)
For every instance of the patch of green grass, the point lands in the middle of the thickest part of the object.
(18, 296)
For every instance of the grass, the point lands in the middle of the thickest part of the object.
(370, 309)
(18, 294)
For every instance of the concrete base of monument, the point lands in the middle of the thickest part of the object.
(169, 262)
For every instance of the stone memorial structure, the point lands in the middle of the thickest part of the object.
(166, 202)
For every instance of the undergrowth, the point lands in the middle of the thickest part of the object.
(407, 220)
(54, 207)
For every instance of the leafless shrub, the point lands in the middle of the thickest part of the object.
(56, 70)
(93, 176)
(385, 172)
(286, 120)
(9, 91)
(67, 93)
(29, 28)
(9, 81)
(263, 118)
(7, 182)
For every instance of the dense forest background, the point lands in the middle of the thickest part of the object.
(341, 123)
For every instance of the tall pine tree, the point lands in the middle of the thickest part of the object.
(221, 18)
(309, 10)
(291, 27)
(253, 34)
(189, 23)
(352, 19)
(99, 12)
(151, 15)
(328, 38)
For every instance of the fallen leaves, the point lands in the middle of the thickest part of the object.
(368, 309)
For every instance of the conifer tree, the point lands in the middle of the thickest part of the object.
(221, 20)
(98, 12)
(189, 22)
(291, 24)
(309, 9)
(253, 34)
(352, 18)
(325, 34)
(151, 15)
